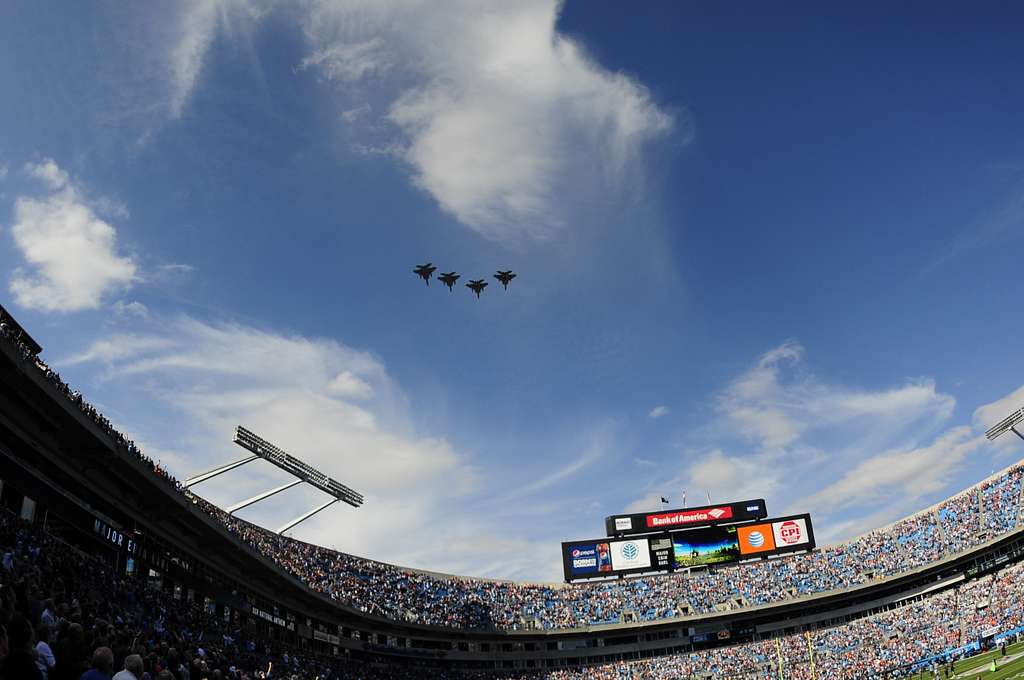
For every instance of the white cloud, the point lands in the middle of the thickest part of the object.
(199, 24)
(347, 384)
(597, 448)
(774, 404)
(732, 476)
(49, 172)
(804, 444)
(349, 61)
(133, 308)
(71, 253)
(658, 412)
(333, 406)
(500, 115)
(905, 475)
(353, 114)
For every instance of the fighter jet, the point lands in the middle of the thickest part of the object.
(424, 271)
(477, 286)
(505, 277)
(448, 279)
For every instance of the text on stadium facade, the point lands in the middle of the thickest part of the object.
(673, 519)
(723, 513)
(118, 539)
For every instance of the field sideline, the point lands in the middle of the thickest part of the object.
(977, 667)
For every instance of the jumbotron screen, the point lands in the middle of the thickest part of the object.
(683, 518)
(668, 551)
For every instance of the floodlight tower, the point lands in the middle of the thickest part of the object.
(262, 449)
(1007, 424)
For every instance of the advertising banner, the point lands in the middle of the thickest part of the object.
(589, 559)
(755, 538)
(631, 555)
(791, 532)
(600, 557)
(684, 518)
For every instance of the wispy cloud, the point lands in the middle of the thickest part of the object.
(596, 449)
(905, 474)
(1003, 222)
(498, 113)
(334, 406)
(658, 412)
(778, 431)
(774, 404)
(133, 308)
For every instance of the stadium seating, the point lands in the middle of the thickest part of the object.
(93, 608)
(89, 607)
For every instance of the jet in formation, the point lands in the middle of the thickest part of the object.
(448, 279)
(477, 286)
(424, 271)
(504, 277)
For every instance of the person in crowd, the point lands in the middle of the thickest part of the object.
(133, 668)
(44, 655)
(102, 665)
(20, 663)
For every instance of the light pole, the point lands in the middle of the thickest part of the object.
(1007, 424)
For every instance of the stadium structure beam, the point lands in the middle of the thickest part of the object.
(258, 497)
(1007, 424)
(302, 518)
(219, 470)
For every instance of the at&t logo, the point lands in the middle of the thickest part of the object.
(756, 539)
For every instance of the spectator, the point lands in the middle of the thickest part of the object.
(44, 655)
(132, 668)
(20, 663)
(102, 665)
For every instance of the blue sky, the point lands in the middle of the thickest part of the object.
(762, 252)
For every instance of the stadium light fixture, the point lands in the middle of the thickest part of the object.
(1007, 424)
(262, 449)
(295, 467)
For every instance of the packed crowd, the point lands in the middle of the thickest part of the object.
(65, 616)
(959, 524)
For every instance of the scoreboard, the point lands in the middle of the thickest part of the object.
(670, 550)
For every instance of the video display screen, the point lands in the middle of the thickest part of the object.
(714, 545)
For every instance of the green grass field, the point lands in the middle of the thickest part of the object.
(977, 667)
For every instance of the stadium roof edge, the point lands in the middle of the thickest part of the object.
(24, 335)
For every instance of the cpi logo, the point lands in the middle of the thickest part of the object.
(790, 532)
(756, 539)
(630, 551)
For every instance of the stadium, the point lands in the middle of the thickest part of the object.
(139, 556)
(511, 340)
